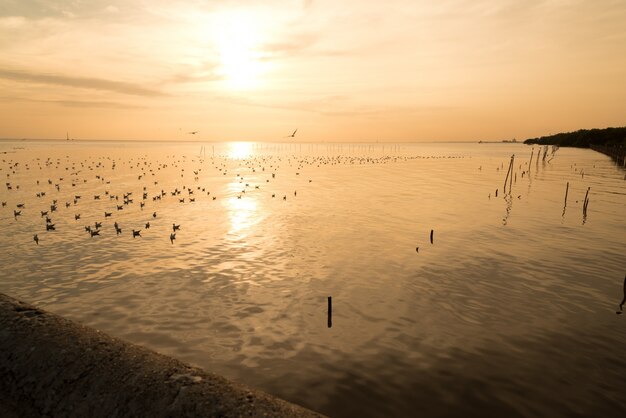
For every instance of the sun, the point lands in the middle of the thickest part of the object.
(238, 37)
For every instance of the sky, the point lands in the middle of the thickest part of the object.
(351, 70)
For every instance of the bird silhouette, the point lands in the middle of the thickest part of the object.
(175, 227)
(172, 237)
(136, 233)
(292, 135)
(36, 239)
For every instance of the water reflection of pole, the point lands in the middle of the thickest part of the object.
(509, 204)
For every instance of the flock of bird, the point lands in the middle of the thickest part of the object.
(59, 185)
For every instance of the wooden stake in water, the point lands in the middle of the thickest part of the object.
(566, 190)
(623, 300)
(330, 311)
(431, 235)
(509, 175)
(586, 202)
(506, 179)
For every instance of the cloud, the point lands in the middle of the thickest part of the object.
(72, 103)
(78, 82)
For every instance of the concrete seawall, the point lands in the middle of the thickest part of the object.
(50, 366)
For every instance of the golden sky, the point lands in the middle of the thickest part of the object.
(351, 70)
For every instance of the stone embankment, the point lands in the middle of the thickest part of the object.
(50, 366)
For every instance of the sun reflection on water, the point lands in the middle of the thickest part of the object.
(242, 213)
(240, 150)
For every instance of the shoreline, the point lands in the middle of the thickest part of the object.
(51, 366)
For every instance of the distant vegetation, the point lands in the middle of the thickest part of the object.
(585, 138)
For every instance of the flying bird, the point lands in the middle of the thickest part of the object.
(192, 132)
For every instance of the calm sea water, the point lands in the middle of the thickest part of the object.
(511, 311)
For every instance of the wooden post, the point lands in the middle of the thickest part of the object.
(330, 311)
(566, 190)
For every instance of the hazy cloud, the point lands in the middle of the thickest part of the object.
(78, 82)
(73, 103)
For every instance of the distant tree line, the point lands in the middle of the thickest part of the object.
(585, 138)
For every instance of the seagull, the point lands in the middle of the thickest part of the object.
(94, 233)
(147, 225)
(175, 227)
(136, 233)
(192, 132)
(36, 239)
(292, 135)
(172, 237)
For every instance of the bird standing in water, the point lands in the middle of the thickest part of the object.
(36, 239)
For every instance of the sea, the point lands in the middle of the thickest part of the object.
(355, 279)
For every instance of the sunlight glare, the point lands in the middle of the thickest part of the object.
(240, 150)
(238, 36)
(242, 215)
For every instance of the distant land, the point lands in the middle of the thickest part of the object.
(584, 138)
(609, 141)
